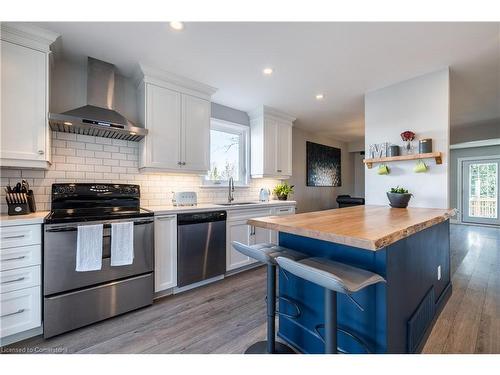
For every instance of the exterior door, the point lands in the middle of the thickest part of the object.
(480, 200)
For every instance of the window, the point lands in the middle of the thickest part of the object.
(228, 153)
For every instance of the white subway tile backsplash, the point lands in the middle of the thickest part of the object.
(75, 145)
(85, 153)
(111, 162)
(65, 167)
(93, 161)
(65, 151)
(85, 138)
(85, 167)
(101, 160)
(65, 136)
(102, 154)
(119, 142)
(75, 159)
(127, 150)
(111, 148)
(93, 146)
(93, 175)
(118, 156)
(102, 168)
(103, 141)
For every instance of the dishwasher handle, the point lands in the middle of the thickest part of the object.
(201, 217)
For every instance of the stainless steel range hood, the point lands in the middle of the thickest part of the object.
(98, 117)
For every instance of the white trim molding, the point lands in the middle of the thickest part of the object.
(172, 81)
(272, 112)
(28, 36)
(458, 216)
(483, 143)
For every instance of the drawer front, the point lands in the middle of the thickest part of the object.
(284, 210)
(19, 278)
(247, 214)
(17, 257)
(20, 235)
(20, 311)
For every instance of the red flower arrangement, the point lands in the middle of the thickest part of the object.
(407, 136)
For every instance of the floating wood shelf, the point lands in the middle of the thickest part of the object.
(431, 155)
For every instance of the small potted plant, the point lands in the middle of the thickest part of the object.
(282, 190)
(399, 197)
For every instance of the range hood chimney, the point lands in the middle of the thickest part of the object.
(98, 117)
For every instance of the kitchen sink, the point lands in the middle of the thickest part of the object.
(236, 203)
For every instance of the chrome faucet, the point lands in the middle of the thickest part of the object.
(230, 197)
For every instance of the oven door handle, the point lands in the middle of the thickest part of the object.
(74, 228)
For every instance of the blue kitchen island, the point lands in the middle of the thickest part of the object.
(410, 248)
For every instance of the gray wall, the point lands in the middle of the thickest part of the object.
(420, 104)
(475, 132)
(310, 198)
(464, 153)
(222, 112)
(358, 168)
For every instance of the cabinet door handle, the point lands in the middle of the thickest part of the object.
(40, 152)
(179, 163)
(183, 163)
(13, 281)
(279, 170)
(21, 257)
(14, 313)
(12, 237)
(252, 230)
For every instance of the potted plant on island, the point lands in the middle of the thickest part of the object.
(282, 190)
(399, 197)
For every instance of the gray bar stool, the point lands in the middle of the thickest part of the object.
(267, 253)
(336, 278)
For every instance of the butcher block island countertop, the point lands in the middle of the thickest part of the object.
(368, 227)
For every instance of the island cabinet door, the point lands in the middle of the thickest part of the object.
(165, 252)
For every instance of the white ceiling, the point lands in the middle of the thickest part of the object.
(341, 60)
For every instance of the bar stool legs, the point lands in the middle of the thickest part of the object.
(330, 322)
(270, 346)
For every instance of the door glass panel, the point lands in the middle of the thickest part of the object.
(483, 190)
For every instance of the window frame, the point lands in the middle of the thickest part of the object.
(243, 131)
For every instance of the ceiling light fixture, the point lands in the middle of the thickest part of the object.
(267, 71)
(320, 96)
(176, 25)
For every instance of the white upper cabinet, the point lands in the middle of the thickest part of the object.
(271, 143)
(176, 111)
(25, 140)
(196, 133)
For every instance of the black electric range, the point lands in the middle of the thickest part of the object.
(94, 202)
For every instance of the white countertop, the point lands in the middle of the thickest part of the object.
(37, 217)
(169, 209)
(34, 218)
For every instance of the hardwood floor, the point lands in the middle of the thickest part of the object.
(228, 316)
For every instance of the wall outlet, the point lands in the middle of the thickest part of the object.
(439, 272)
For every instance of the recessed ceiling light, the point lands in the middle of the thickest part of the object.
(267, 71)
(320, 96)
(176, 25)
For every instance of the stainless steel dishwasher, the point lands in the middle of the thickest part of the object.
(201, 246)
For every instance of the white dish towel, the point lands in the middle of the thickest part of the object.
(89, 248)
(122, 243)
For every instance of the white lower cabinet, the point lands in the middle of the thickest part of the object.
(239, 230)
(280, 211)
(165, 252)
(20, 282)
(20, 311)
